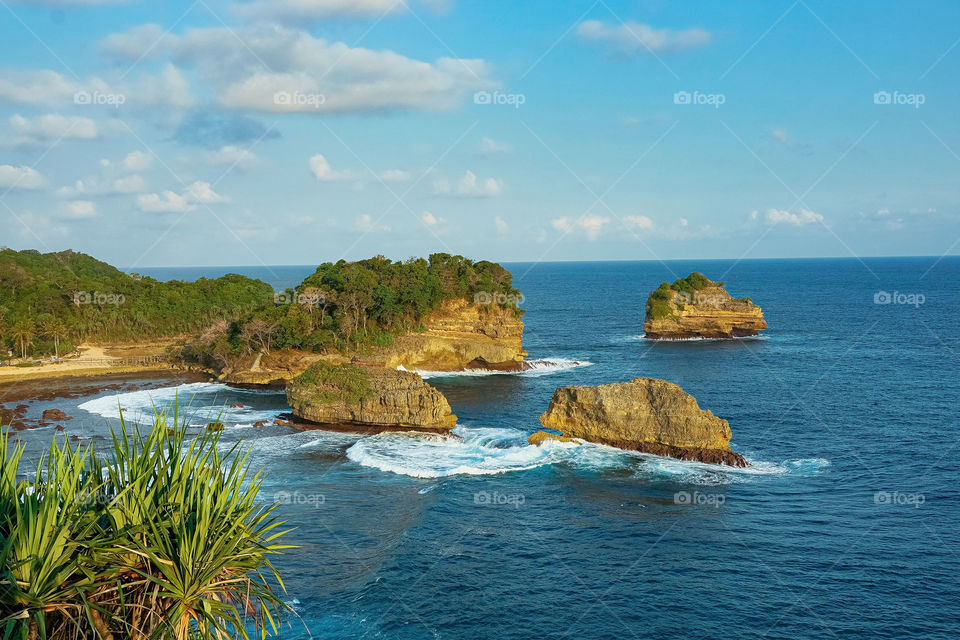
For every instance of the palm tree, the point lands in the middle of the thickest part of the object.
(56, 329)
(23, 332)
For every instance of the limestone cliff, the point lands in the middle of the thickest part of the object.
(645, 414)
(347, 394)
(456, 336)
(695, 307)
(460, 335)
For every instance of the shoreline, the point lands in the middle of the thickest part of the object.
(19, 398)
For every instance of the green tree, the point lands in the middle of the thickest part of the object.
(24, 332)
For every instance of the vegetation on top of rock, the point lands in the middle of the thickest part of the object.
(658, 304)
(353, 306)
(328, 383)
(49, 302)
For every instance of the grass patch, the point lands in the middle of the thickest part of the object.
(327, 383)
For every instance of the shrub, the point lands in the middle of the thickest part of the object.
(163, 539)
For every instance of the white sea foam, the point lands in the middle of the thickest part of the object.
(643, 338)
(535, 368)
(198, 403)
(483, 451)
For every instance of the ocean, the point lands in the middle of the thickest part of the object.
(846, 524)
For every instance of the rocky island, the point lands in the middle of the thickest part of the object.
(646, 414)
(447, 313)
(348, 395)
(695, 307)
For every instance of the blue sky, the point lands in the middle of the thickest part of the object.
(298, 131)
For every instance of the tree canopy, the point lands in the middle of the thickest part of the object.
(50, 301)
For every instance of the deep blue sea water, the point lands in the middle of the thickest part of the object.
(847, 524)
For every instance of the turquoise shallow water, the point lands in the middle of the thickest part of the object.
(846, 525)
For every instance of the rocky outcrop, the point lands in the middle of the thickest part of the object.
(695, 307)
(457, 336)
(460, 335)
(54, 415)
(364, 396)
(645, 414)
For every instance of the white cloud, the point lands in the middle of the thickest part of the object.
(137, 161)
(502, 226)
(592, 225)
(133, 183)
(640, 223)
(305, 11)
(779, 134)
(166, 202)
(160, 92)
(429, 219)
(22, 177)
(799, 219)
(366, 224)
(323, 172)
(232, 156)
(50, 128)
(170, 89)
(395, 175)
(305, 74)
(79, 209)
(469, 186)
(36, 87)
(630, 38)
(202, 192)
(489, 147)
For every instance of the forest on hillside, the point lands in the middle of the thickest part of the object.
(50, 302)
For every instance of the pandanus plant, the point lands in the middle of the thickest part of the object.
(164, 539)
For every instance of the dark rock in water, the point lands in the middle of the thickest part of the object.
(260, 423)
(237, 405)
(646, 414)
(54, 415)
(214, 426)
(280, 422)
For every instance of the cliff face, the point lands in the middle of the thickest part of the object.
(645, 414)
(368, 396)
(709, 312)
(457, 336)
(460, 335)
